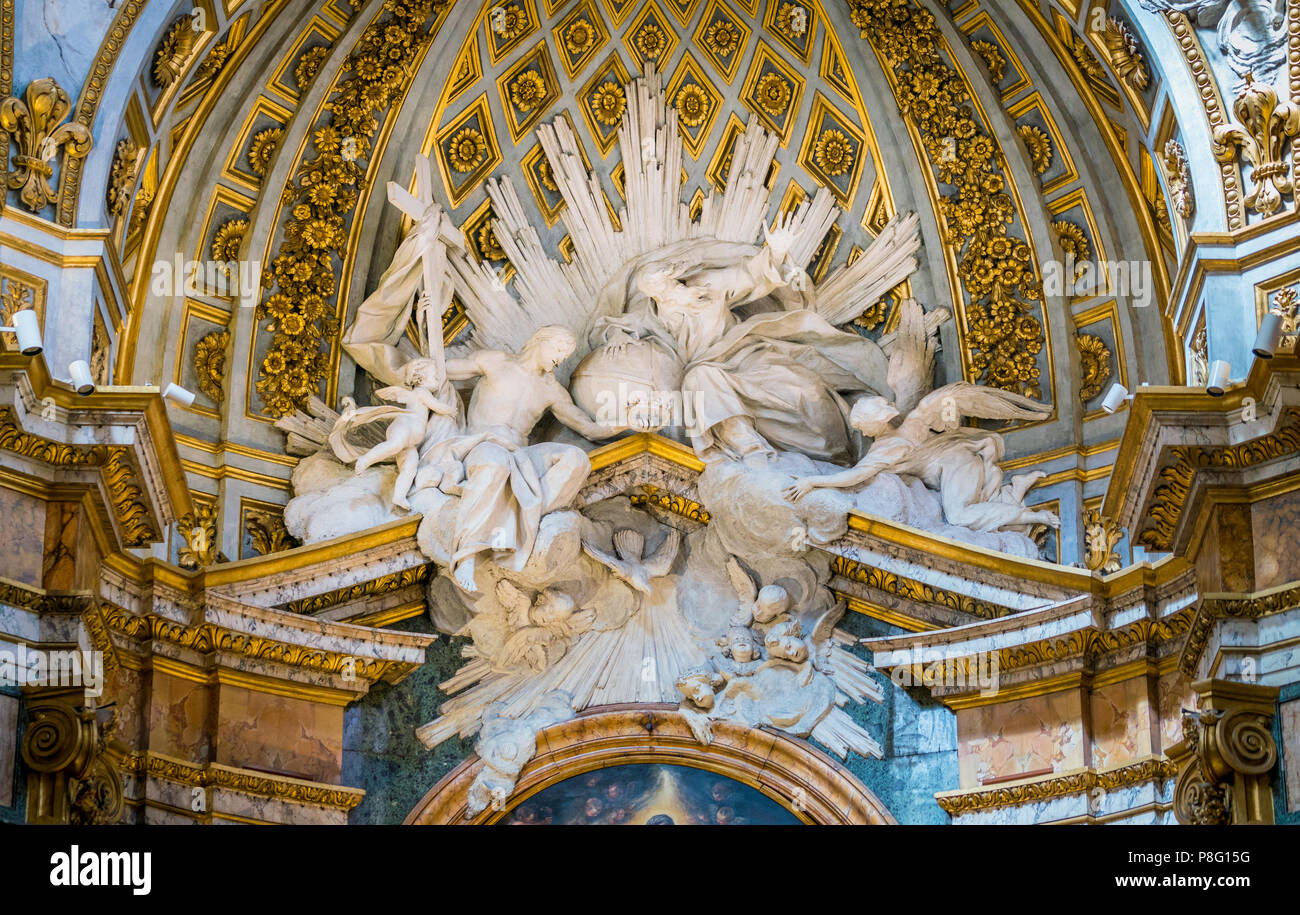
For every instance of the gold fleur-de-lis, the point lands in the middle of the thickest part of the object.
(37, 125)
(1267, 124)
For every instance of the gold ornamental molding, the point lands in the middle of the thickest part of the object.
(911, 589)
(1081, 781)
(1216, 607)
(1171, 494)
(377, 587)
(112, 462)
(209, 637)
(1092, 643)
(215, 775)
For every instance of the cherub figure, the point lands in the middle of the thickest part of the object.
(542, 625)
(741, 653)
(758, 607)
(410, 423)
(960, 463)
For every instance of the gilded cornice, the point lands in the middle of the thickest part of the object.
(1092, 643)
(1216, 607)
(208, 637)
(119, 476)
(377, 587)
(215, 775)
(1171, 494)
(910, 589)
(1151, 769)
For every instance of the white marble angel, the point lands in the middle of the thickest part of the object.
(429, 411)
(960, 463)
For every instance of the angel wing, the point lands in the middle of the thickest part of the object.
(658, 563)
(911, 348)
(516, 603)
(942, 410)
(353, 433)
(741, 581)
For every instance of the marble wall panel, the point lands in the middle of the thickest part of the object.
(24, 528)
(1176, 694)
(280, 734)
(9, 748)
(1021, 736)
(1273, 524)
(178, 718)
(1121, 723)
(1290, 714)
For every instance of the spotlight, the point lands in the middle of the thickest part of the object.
(178, 395)
(1218, 382)
(27, 327)
(1116, 397)
(1269, 337)
(81, 379)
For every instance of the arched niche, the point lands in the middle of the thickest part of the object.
(796, 775)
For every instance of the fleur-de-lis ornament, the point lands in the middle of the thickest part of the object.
(36, 123)
(1267, 124)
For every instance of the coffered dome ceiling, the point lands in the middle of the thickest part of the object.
(268, 138)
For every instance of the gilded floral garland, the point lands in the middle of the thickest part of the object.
(322, 196)
(1003, 318)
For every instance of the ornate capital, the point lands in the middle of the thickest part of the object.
(70, 780)
(1226, 755)
(1267, 125)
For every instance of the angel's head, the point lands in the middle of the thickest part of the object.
(424, 373)
(552, 608)
(549, 346)
(785, 640)
(872, 416)
(662, 282)
(741, 644)
(697, 687)
(772, 601)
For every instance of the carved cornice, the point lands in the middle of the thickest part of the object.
(386, 584)
(1151, 769)
(1170, 496)
(298, 791)
(670, 502)
(208, 637)
(111, 460)
(910, 589)
(1095, 643)
(1214, 608)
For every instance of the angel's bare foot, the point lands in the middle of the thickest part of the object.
(464, 576)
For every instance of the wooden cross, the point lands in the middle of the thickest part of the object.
(436, 279)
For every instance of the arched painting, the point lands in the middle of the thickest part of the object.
(651, 794)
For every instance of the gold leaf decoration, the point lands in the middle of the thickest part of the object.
(1073, 242)
(262, 150)
(268, 533)
(302, 276)
(174, 52)
(722, 38)
(773, 93)
(528, 90)
(467, 150)
(309, 65)
(1267, 124)
(608, 103)
(1094, 360)
(1039, 146)
(225, 244)
(834, 153)
(1179, 173)
(1100, 537)
(1003, 316)
(210, 363)
(199, 530)
(1125, 54)
(692, 105)
(36, 124)
(991, 54)
(121, 176)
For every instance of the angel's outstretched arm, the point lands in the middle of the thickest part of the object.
(468, 367)
(845, 479)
